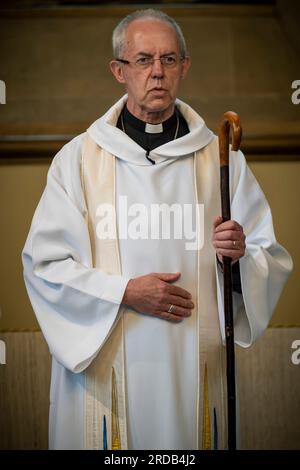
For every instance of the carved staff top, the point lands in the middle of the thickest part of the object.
(231, 120)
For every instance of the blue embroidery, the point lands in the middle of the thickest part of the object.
(104, 433)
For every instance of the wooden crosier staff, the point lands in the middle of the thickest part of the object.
(230, 121)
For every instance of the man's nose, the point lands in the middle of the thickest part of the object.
(157, 69)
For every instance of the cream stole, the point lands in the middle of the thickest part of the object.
(105, 377)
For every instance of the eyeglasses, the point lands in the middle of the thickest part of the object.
(168, 61)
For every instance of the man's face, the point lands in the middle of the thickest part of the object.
(153, 89)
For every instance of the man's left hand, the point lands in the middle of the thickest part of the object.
(228, 239)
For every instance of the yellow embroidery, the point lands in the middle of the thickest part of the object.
(115, 430)
(206, 435)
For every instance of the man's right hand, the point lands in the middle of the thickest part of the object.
(154, 294)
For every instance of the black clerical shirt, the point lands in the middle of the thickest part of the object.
(173, 128)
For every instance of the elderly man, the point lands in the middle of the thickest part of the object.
(121, 268)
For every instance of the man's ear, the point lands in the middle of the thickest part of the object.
(185, 67)
(117, 70)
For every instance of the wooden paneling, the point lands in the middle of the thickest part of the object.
(24, 392)
(269, 391)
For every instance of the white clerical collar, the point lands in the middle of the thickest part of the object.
(146, 127)
(153, 128)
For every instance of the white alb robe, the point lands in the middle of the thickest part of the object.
(77, 304)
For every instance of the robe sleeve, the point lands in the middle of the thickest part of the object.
(76, 305)
(266, 265)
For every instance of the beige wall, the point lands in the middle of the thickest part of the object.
(280, 183)
(22, 185)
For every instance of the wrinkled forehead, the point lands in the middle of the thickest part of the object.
(150, 36)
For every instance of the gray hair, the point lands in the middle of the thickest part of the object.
(119, 33)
